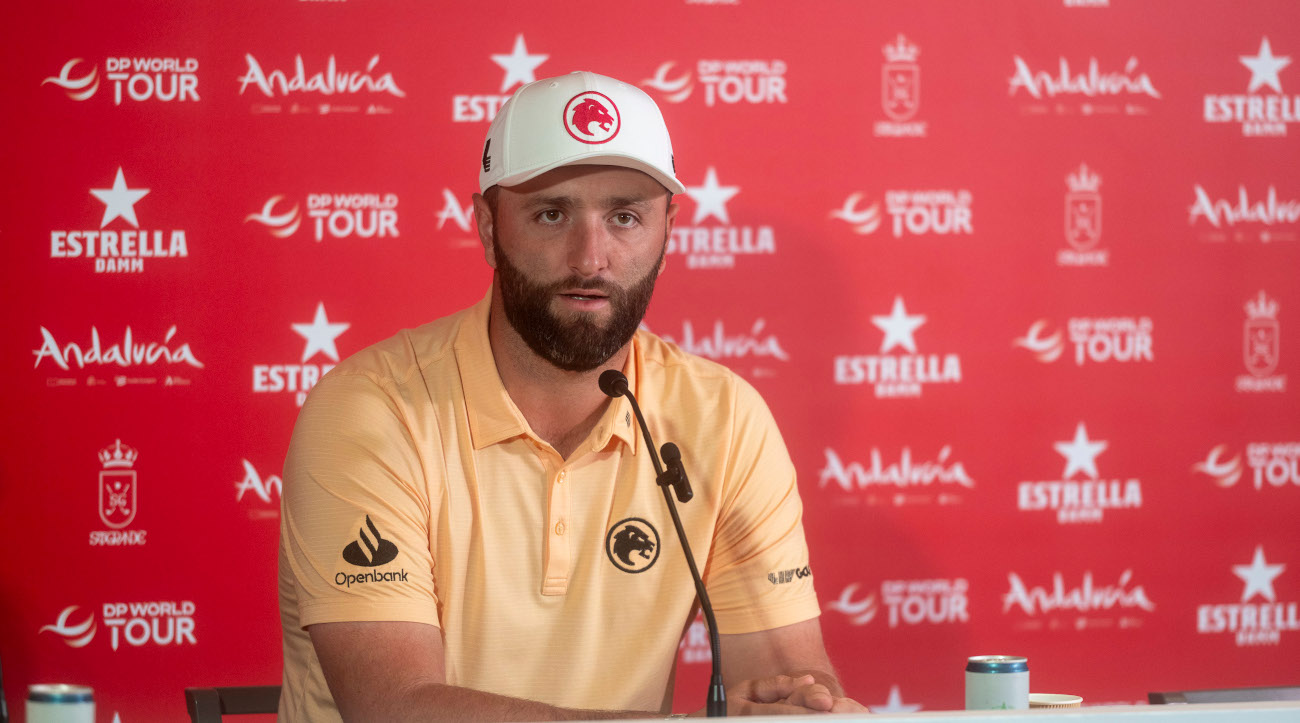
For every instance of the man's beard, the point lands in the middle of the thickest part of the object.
(579, 344)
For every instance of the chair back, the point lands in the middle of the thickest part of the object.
(207, 705)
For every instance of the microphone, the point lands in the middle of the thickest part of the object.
(614, 384)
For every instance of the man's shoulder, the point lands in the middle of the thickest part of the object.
(671, 369)
(398, 358)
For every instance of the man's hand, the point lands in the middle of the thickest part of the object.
(785, 695)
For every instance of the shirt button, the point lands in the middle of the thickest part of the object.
(560, 479)
(559, 527)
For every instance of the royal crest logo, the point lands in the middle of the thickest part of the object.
(900, 90)
(1261, 336)
(592, 118)
(632, 545)
(1083, 209)
(117, 485)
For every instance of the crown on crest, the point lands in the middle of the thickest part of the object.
(117, 455)
(1262, 308)
(1083, 179)
(901, 51)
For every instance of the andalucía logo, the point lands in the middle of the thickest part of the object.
(909, 602)
(519, 67)
(461, 217)
(159, 623)
(321, 87)
(717, 246)
(1252, 623)
(333, 215)
(267, 491)
(118, 250)
(939, 212)
(118, 357)
(1085, 601)
(1083, 221)
(1277, 463)
(118, 496)
(1096, 339)
(1080, 501)
(1259, 113)
(1260, 347)
(143, 78)
(907, 481)
(757, 345)
(900, 91)
(1272, 219)
(752, 82)
(297, 379)
(1092, 92)
(898, 375)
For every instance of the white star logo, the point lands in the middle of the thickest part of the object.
(898, 327)
(519, 65)
(320, 335)
(1258, 576)
(1080, 453)
(711, 198)
(1264, 66)
(895, 703)
(119, 201)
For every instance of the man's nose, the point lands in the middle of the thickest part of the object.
(589, 246)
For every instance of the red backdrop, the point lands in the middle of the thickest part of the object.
(1018, 281)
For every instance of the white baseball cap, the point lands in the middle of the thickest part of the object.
(577, 119)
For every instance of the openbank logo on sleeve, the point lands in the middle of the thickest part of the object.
(369, 549)
(1082, 88)
(320, 86)
(136, 79)
(1277, 463)
(118, 497)
(907, 603)
(137, 624)
(119, 361)
(332, 215)
(319, 337)
(729, 82)
(898, 481)
(1261, 347)
(1091, 605)
(1083, 221)
(519, 67)
(717, 245)
(1260, 113)
(264, 500)
(1097, 340)
(937, 212)
(900, 91)
(898, 375)
(1253, 623)
(1222, 219)
(118, 249)
(1086, 500)
(758, 345)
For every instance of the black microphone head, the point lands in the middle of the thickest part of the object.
(671, 454)
(613, 383)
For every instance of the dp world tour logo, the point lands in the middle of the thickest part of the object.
(592, 117)
(370, 550)
(632, 545)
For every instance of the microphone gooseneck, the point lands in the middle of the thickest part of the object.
(614, 384)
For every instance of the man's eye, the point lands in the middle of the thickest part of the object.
(551, 215)
(624, 219)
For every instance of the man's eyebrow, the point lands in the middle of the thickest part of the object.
(637, 202)
(546, 200)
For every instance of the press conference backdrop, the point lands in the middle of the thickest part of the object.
(1020, 282)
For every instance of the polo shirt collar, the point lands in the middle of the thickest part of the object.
(493, 416)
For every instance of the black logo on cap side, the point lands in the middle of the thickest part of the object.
(632, 545)
(487, 160)
(377, 551)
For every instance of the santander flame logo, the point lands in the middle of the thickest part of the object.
(77, 88)
(1047, 349)
(279, 225)
(76, 635)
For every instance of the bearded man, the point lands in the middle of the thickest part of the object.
(472, 530)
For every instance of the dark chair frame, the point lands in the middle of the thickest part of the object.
(208, 705)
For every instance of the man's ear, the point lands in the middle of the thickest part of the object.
(483, 222)
(670, 219)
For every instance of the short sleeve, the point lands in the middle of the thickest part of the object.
(357, 512)
(758, 576)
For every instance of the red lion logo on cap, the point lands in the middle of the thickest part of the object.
(591, 111)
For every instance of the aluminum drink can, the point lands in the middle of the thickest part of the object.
(997, 682)
(60, 704)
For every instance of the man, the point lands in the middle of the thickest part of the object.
(472, 529)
